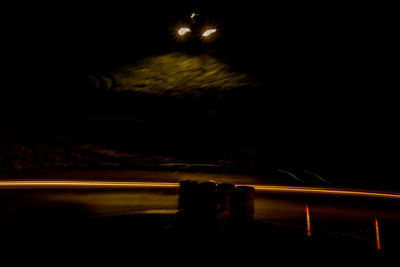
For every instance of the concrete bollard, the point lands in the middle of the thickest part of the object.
(208, 203)
(196, 217)
(197, 199)
(223, 201)
(243, 204)
(207, 200)
(187, 200)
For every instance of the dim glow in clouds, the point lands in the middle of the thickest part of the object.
(15, 184)
(190, 75)
(209, 32)
(182, 31)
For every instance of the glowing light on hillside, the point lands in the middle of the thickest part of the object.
(209, 32)
(183, 31)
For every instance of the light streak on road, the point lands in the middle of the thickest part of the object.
(32, 184)
(291, 175)
(317, 175)
(326, 191)
(83, 184)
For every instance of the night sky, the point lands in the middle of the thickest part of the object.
(319, 91)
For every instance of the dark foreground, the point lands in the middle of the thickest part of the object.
(128, 227)
(157, 239)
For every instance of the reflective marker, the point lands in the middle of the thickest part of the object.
(308, 224)
(378, 241)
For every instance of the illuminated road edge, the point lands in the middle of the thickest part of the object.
(33, 184)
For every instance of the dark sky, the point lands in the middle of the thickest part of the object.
(328, 59)
(91, 34)
(341, 48)
(295, 47)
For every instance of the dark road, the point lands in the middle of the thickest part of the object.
(343, 213)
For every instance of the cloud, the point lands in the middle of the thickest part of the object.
(178, 73)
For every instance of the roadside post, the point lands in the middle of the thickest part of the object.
(223, 203)
(308, 221)
(377, 237)
(242, 204)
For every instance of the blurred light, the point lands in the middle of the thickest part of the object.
(208, 32)
(326, 191)
(193, 15)
(4, 184)
(82, 184)
(183, 31)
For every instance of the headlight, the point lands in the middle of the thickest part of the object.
(208, 32)
(183, 31)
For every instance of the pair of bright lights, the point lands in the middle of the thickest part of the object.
(183, 31)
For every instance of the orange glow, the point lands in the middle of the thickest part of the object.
(308, 223)
(326, 191)
(378, 241)
(83, 184)
(4, 184)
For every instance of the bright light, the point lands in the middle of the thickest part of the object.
(183, 31)
(208, 32)
(193, 15)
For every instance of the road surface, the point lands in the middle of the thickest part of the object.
(61, 205)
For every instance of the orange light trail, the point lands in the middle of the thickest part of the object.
(11, 184)
(308, 223)
(327, 191)
(83, 184)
